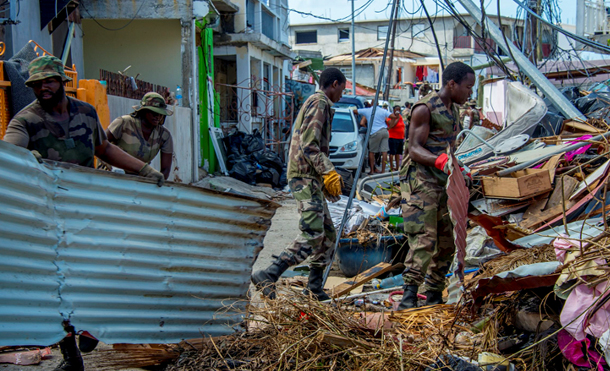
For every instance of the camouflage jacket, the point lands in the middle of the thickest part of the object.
(128, 135)
(311, 133)
(444, 128)
(35, 129)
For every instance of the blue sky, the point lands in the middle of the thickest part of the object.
(336, 9)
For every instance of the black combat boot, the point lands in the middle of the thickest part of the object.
(314, 286)
(409, 297)
(72, 358)
(265, 280)
(434, 297)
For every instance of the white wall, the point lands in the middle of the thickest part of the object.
(151, 47)
(179, 124)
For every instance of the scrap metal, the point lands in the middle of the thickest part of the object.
(116, 255)
(457, 202)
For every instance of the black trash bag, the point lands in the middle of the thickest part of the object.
(244, 171)
(348, 180)
(233, 159)
(233, 143)
(252, 143)
(270, 159)
(269, 175)
(452, 363)
(593, 102)
(283, 178)
(550, 125)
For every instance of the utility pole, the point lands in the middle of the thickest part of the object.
(353, 37)
(538, 30)
(386, 93)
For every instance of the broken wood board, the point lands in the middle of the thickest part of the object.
(537, 206)
(589, 181)
(363, 278)
(539, 218)
(551, 166)
(557, 197)
(581, 127)
(332, 282)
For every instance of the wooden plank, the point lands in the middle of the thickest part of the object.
(537, 206)
(304, 64)
(569, 184)
(551, 166)
(332, 282)
(363, 278)
(583, 127)
(536, 219)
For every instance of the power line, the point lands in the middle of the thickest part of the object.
(114, 29)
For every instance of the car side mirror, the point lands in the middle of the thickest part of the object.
(362, 130)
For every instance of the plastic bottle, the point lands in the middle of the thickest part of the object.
(179, 95)
(389, 282)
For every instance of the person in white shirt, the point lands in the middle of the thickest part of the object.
(378, 141)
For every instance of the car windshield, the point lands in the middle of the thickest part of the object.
(342, 123)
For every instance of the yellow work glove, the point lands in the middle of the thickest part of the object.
(333, 183)
(148, 171)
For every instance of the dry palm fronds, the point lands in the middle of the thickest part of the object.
(294, 333)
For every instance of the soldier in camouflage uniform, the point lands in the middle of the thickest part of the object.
(61, 128)
(142, 135)
(311, 178)
(434, 125)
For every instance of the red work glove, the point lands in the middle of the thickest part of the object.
(442, 163)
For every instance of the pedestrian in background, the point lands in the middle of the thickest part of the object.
(378, 141)
(396, 141)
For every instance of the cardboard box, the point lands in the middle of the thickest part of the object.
(518, 185)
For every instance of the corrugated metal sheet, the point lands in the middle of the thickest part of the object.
(120, 257)
(457, 203)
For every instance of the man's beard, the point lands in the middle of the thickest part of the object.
(56, 98)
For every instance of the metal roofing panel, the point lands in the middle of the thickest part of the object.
(120, 257)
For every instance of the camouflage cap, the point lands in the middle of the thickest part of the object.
(44, 67)
(154, 102)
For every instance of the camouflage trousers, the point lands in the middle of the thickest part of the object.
(428, 228)
(318, 236)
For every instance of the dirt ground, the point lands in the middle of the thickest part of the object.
(284, 228)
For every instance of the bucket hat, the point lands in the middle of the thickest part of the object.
(154, 102)
(44, 67)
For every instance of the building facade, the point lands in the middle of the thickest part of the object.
(412, 34)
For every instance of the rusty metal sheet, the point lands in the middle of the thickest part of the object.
(126, 260)
(457, 201)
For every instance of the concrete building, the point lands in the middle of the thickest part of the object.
(412, 35)
(251, 55)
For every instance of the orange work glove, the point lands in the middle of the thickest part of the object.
(333, 183)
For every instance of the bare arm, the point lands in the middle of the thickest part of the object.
(166, 164)
(363, 122)
(115, 156)
(419, 129)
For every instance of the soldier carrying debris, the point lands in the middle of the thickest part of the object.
(311, 178)
(434, 125)
(61, 128)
